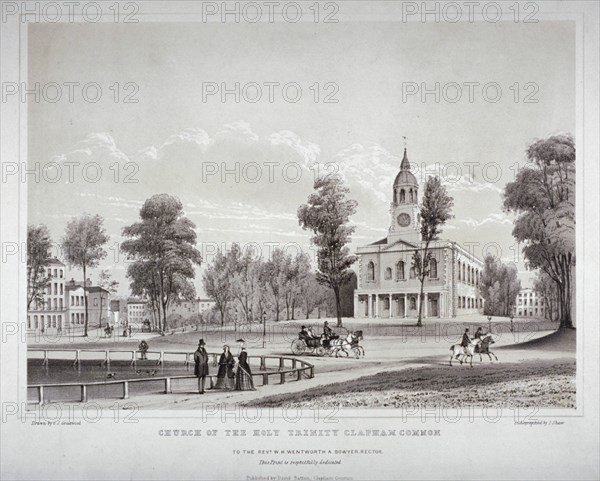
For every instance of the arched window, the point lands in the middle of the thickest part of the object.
(402, 196)
(371, 271)
(400, 271)
(410, 196)
(412, 273)
(464, 277)
(388, 273)
(35, 321)
(433, 269)
(459, 271)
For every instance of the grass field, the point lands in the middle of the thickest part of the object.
(539, 383)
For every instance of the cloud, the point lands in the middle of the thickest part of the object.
(494, 218)
(96, 147)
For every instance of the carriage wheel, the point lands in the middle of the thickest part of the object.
(321, 351)
(298, 347)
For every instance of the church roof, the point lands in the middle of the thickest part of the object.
(379, 242)
(405, 176)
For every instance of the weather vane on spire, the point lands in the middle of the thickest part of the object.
(405, 140)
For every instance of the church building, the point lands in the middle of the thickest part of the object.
(387, 285)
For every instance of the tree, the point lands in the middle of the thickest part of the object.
(434, 213)
(217, 283)
(274, 277)
(38, 259)
(82, 245)
(546, 289)
(499, 286)
(245, 279)
(105, 281)
(327, 214)
(165, 240)
(543, 196)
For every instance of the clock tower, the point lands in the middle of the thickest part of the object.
(404, 208)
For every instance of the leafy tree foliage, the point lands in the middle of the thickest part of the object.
(543, 196)
(38, 259)
(327, 214)
(163, 248)
(83, 247)
(434, 213)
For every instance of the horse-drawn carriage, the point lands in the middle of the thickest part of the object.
(322, 346)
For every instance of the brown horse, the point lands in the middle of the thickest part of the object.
(484, 347)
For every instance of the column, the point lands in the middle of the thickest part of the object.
(418, 302)
(376, 305)
(370, 305)
(405, 306)
(391, 307)
(425, 305)
(356, 305)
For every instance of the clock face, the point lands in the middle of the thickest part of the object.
(404, 220)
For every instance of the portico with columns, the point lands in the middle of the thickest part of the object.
(387, 284)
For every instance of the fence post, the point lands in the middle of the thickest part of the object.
(41, 395)
(282, 377)
(265, 379)
(125, 390)
(293, 363)
(106, 361)
(262, 363)
(167, 385)
(281, 360)
(299, 374)
(312, 372)
(76, 361)
(83, 393)
(45, 361)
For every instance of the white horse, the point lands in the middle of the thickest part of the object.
(467, 352)
(344, 345)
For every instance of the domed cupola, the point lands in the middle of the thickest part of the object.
(405, 185)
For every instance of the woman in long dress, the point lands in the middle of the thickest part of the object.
(226, 376)
(243, 378)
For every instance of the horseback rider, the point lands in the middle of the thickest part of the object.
(466, 340)
(478, 333)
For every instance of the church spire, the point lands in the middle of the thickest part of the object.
(405, 165)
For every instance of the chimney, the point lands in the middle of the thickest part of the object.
(72, 282)
(88, 282)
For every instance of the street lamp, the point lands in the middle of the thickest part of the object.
(264, 319)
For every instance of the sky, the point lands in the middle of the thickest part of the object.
(210, 151)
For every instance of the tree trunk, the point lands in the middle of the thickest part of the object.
(419, 323)
(85, 301)
(338, 306)
(100, 316)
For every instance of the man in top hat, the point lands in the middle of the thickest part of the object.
(466, 340)
(201, 365)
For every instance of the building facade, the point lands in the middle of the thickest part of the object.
(387, 284)
(136, 311)
(63, 306)
(529, 304)
(52, 311)
(205, 305)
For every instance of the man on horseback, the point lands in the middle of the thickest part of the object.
(466, 340)
(478, 333)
